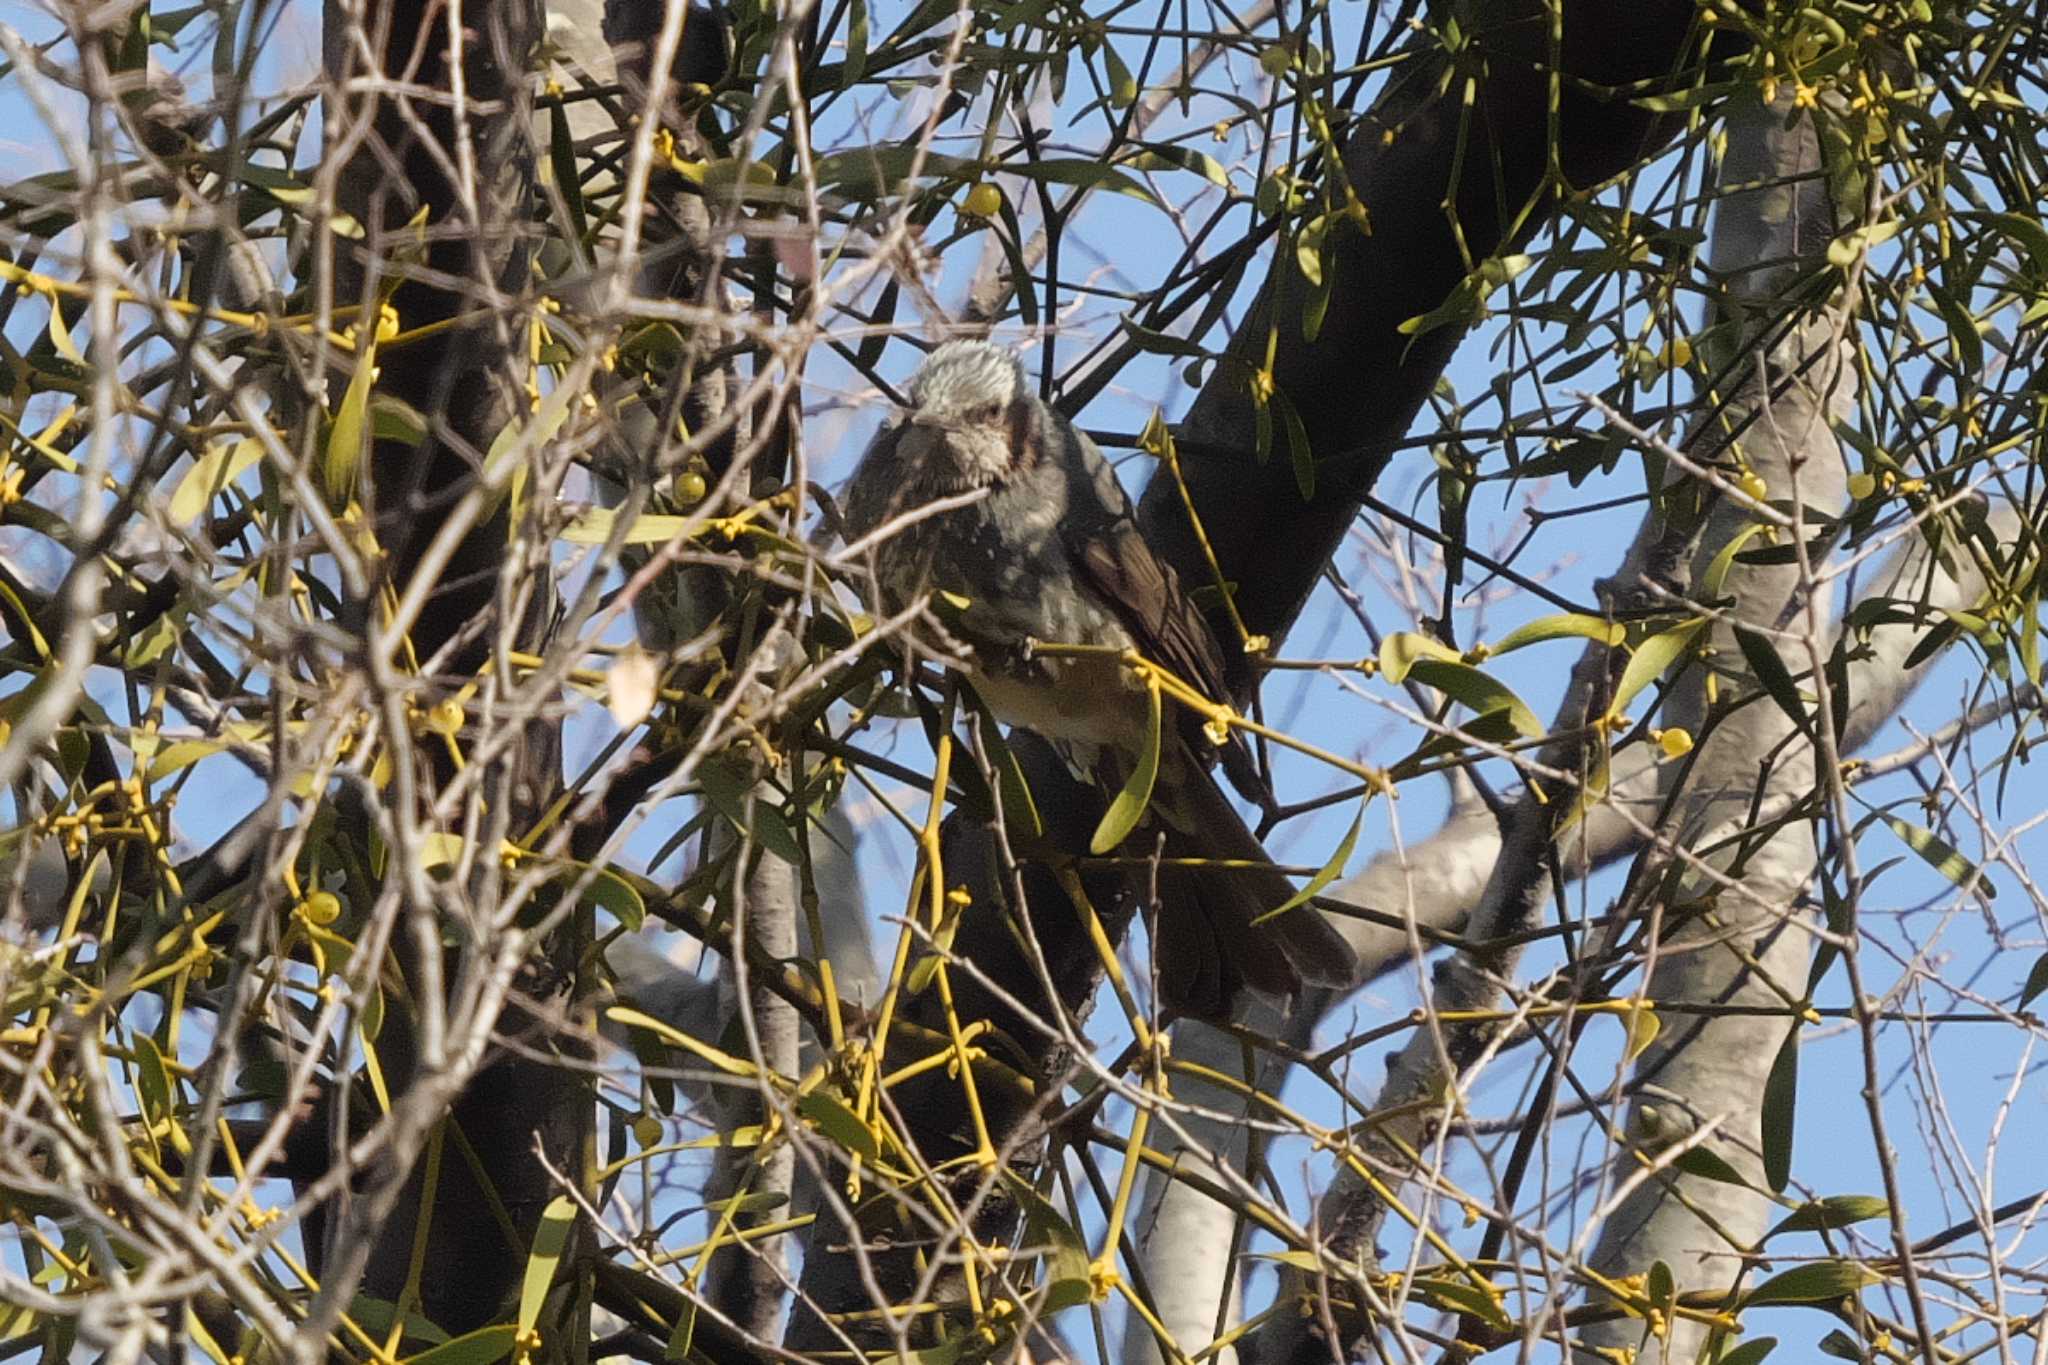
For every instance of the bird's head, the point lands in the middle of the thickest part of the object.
(969, 423)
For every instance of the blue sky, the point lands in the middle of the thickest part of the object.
(1951, 1088)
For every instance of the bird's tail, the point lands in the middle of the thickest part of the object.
(1208, 944)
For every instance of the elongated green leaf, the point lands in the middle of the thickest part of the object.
(1476, 689)
(1770, 672)
(1327, 873)
(1964, 338)
(1130, 804)
(1708, 1164)
(1564, 625)
(481, 1347)
(1750, 1352)
(1462, 1296)
(1162, 155)
(594, 527)
(724, 1061)
(2037, 982)
(1835, 1211)
(620, 898)
(1652, 657)
(864, 172)
(550, 1239)
(1940, 856)
(1094, 175)
(838, 1122)
(219, 467)
(1054, 1238)
(342, 469)
(1400, 651)
(1817, 1283)
(1781, 1101)
(1297, 447)
(152, 1079)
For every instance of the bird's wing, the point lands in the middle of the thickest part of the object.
(1144, 591)
(875, 492)
(1146, 594)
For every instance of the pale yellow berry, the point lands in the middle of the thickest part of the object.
(647, 1130)
(322, 908)
(1675, 742)
(1861, 486)
(983, 201)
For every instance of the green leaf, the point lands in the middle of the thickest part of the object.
(1020, 811)
(1678, 101)
(838, 1122)
(562, 165)
(152, 1079)
(856, 45)
(1770, 671)
(1821, 1282)
(218, 468)
(1123, 87)
(1297, 447)
(342, 469)
(1462, 1296)
(1164, 155)
(1564, 625)
(1479, 691)
(867, 172)
(1092, 175)
(1161, 343)
(1843, 251)
(550, 1238)
(1400, 651)
(594, 527)
(1835, 1211)
(2037, 981)
(60, 334)
(1054, 1238)
(1781, 1099)
(481, 1347)
(675, 1037)
(1130, 804)
(1939, 856)
(1964, 338)
(749, 809)
(1650, 660)
(1658, 1285)
(1708, 1164)
(618, 897)
(2027, 232)
(1327, 873)
(1750, 1352)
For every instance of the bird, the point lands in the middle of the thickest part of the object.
(985, 497)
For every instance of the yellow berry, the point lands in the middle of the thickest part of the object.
(1679, 353)
(322, 907)
(1861, 486)
(1675, 742)
(1275, 60)
(1752, 483)
(983, 201)
(446, 718)
(690, 488)
(647, 1130)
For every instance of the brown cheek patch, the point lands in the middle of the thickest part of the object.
(1024, 452)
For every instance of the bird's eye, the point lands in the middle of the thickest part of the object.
(987, 412)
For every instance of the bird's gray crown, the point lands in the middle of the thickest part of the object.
(962, 376)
